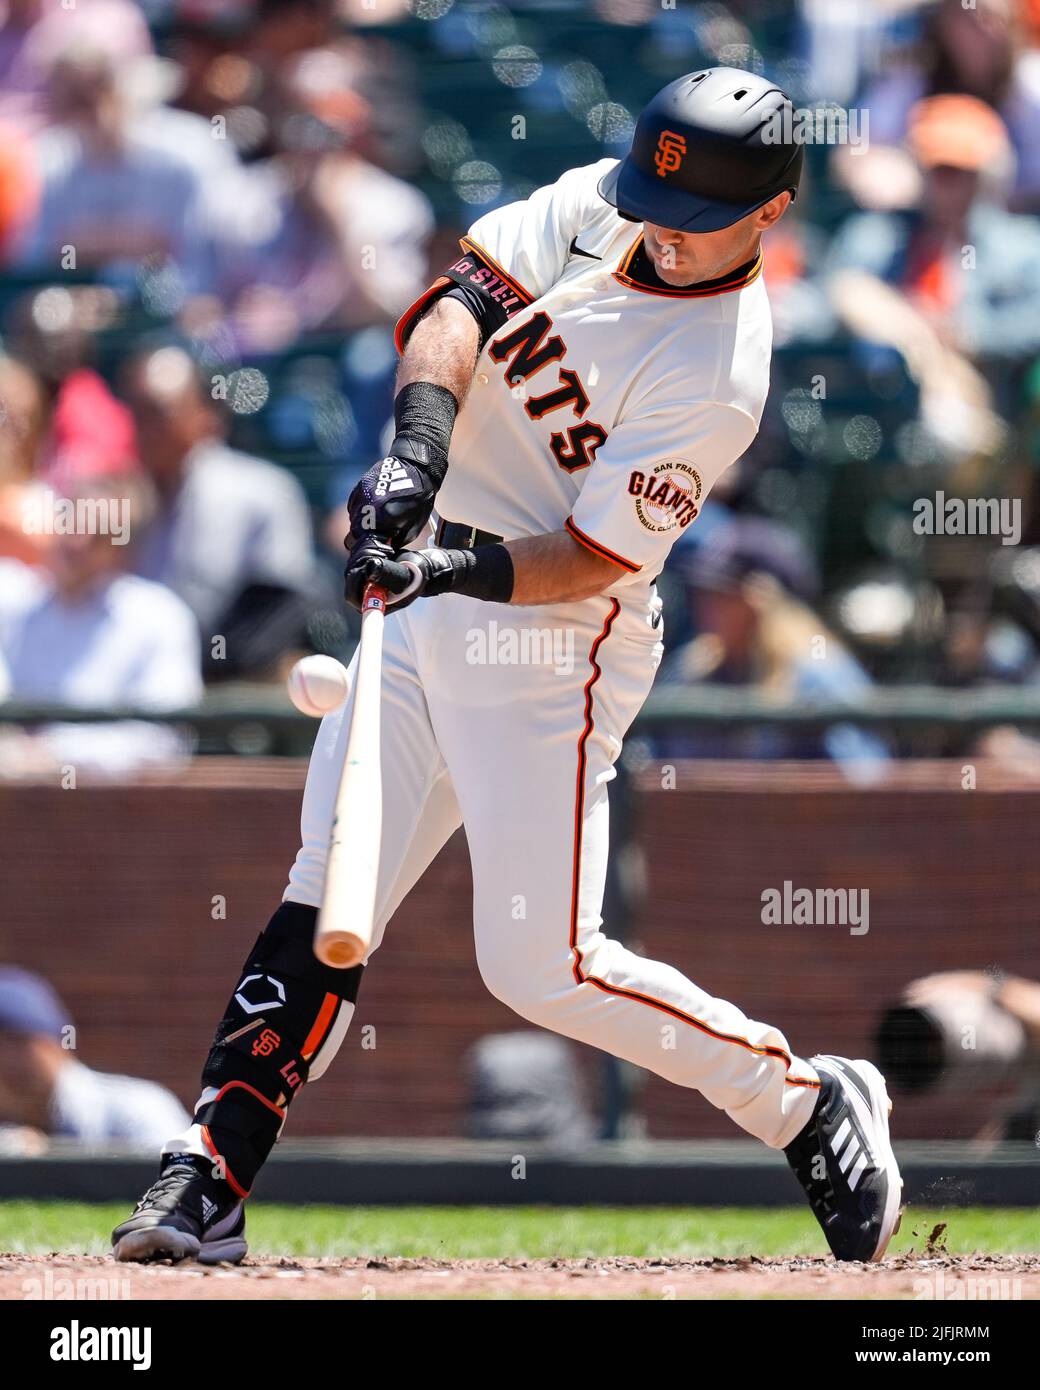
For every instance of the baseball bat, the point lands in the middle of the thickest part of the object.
(347, 915)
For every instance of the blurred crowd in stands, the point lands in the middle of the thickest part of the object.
(212, 212)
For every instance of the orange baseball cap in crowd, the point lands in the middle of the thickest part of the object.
(19, 185)
(960, 132)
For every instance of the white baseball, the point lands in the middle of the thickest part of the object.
(318, 684)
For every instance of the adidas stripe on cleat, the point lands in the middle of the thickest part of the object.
(187, 1213)
(844, 1160)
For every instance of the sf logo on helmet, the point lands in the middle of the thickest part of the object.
(671, 151)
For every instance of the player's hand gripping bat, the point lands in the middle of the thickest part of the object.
(346, 919)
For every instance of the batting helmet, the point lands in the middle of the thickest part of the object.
(710, 148)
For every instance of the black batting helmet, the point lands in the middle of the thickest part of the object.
(710, 148)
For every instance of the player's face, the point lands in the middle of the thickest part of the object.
(684, 258)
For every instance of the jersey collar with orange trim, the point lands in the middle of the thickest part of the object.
(637, 272)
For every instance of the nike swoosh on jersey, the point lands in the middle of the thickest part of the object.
(577, 251)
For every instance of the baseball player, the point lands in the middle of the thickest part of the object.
(569, 390)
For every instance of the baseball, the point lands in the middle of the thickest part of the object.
(318, 684)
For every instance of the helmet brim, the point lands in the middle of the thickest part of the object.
(642, 198)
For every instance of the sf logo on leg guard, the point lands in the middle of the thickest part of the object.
(254, 1006)
(266, 1043)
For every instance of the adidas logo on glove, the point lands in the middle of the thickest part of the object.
(393, 477)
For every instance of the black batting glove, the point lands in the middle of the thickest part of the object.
(484, 573)
(411, 574)
(363, 567)
(393, 500)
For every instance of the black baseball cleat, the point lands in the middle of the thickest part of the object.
(187, 1213)
(844, 1160)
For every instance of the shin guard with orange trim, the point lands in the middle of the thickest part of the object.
(288, 1008)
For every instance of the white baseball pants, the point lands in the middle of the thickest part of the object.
(508, 720)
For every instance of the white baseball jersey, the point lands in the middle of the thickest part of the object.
(605, 403)
(630, 400)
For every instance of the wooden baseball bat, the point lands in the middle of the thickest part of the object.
(347, 915)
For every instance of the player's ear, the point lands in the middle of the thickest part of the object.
(770, 213)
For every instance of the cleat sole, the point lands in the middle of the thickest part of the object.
(155, 1243)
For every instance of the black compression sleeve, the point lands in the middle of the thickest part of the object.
(425, 416)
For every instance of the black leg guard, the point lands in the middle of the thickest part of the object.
(283, 1011)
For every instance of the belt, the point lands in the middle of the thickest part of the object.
(453, 535)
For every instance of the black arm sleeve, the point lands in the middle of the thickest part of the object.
(487, 291)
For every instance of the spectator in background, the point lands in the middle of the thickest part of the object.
(749, 589)
(842, 42)
(45, 1092)
(989, 305)
(17, 18)
(116, 31)
(982, 50)
(82, 429)
(34, 32)
(337, 242)
(82, 632)
(113, 189)
(90, 432)
(22, 419)
(232, 534)
(284, 28)
(215, 77)
(952, 284)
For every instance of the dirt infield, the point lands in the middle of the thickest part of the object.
(943, 1277)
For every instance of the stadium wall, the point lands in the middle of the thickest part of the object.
(114, 893)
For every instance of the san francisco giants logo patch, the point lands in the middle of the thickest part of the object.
(668, 497)
(671, 151)
(266, 1043)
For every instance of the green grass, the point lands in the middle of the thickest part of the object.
(525, 1232)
